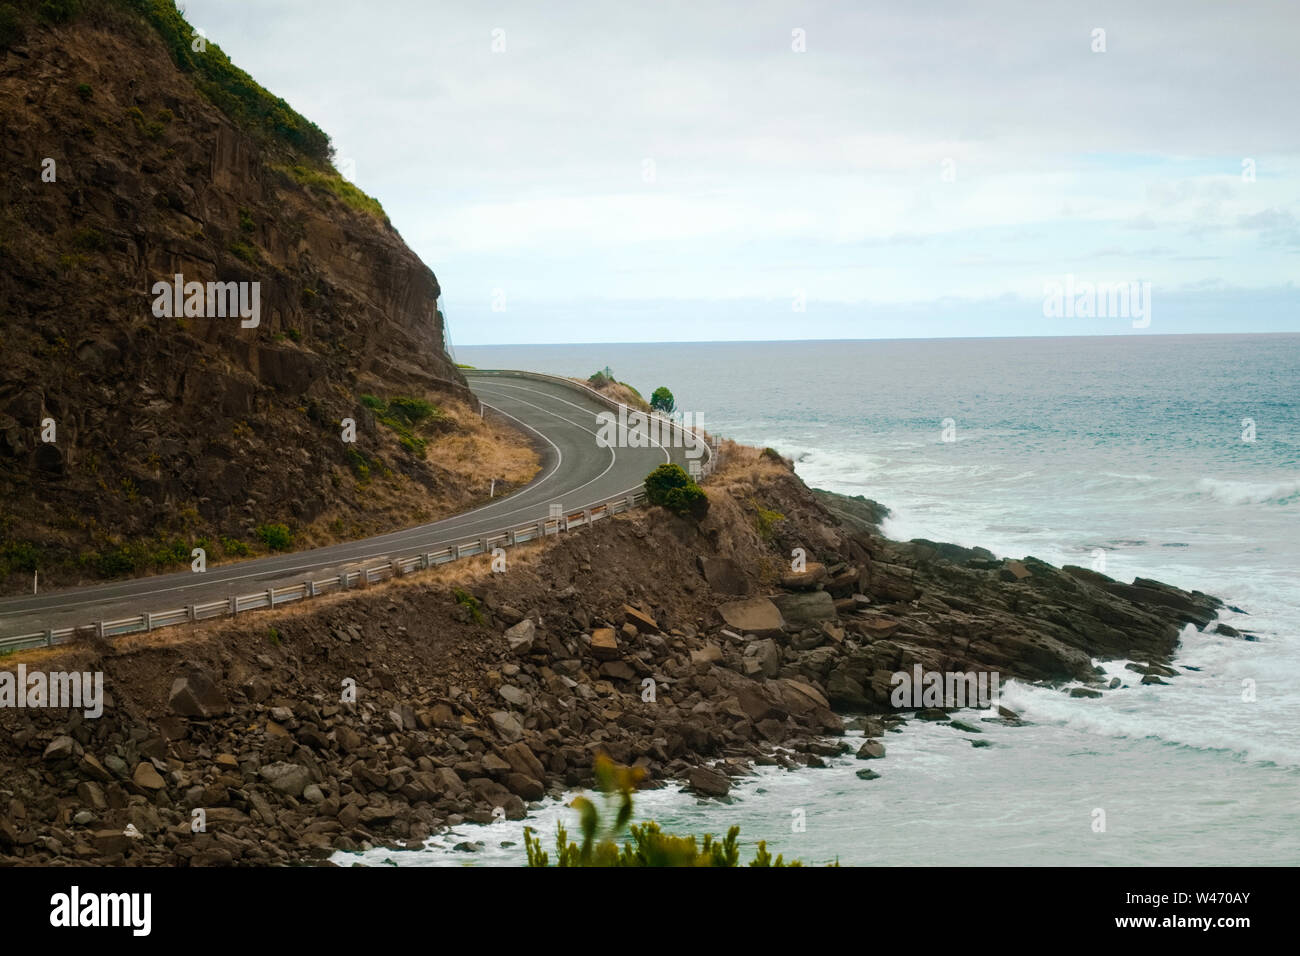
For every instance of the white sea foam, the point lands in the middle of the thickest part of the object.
(1250, 492)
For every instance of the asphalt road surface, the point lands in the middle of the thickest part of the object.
(576, 472)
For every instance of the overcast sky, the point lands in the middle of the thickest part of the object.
(620, 171)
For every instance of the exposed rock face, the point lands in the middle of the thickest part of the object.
(453, 724)
(217, 426)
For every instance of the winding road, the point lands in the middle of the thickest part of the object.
(576, 472)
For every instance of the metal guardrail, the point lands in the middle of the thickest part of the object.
(347, 580)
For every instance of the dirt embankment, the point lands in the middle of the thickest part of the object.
(693, 650)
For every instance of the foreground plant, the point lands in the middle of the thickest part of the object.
(649, 845)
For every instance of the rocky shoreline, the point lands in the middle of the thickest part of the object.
(692, 649)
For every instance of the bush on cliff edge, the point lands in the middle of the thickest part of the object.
(670, 487)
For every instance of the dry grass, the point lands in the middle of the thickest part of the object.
(480, 450)
(618, 392)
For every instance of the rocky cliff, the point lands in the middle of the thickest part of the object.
(693, 650)
(132, 151)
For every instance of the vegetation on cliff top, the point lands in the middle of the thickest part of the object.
(246, 102)
(671, 487)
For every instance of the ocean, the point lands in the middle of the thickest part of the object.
(1173, 457)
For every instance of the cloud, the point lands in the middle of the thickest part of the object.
(913, 150)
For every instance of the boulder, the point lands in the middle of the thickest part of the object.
(290, 779)
(767, 655)
(757, 616)
(521, 759)
(516, 697)
(61, 748)
(1015, 571)
(710, 653)
(723, 575)
(708, 782)
(90, 767)
(604, 644)
(524, 786)
(507, 725)
(871, 750)
(146, 777)
(520, 637)
(195, 695)
(800, 697)
(511, 615)
(806, 608)
(813, 574)
(640, 620)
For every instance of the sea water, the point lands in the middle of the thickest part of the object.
(1173, 457)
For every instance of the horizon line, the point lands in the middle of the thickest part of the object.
(893, 338)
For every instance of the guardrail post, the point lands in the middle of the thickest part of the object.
(147, 618)
(631, 501)
(99, 629)
(586, 515)
(311, 587)
(49, 638)
(270, 597)
(426, 561)
(483, 543)
(541, 527)
(191, 615)
(234, 605)
(510, 539)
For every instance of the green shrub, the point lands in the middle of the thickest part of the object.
(670, 486)
(467, 600)
(329, 181)
(242, 250)
(689, 500)
(275, 536)
(766, 521)
(235, 548)
(84, 92)
(133, 557)
(662, 400)
(232, 90)
(650, 846)
(246, 221)
(403, 415)
(18, 556)
(411, 410)
(360, 465)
